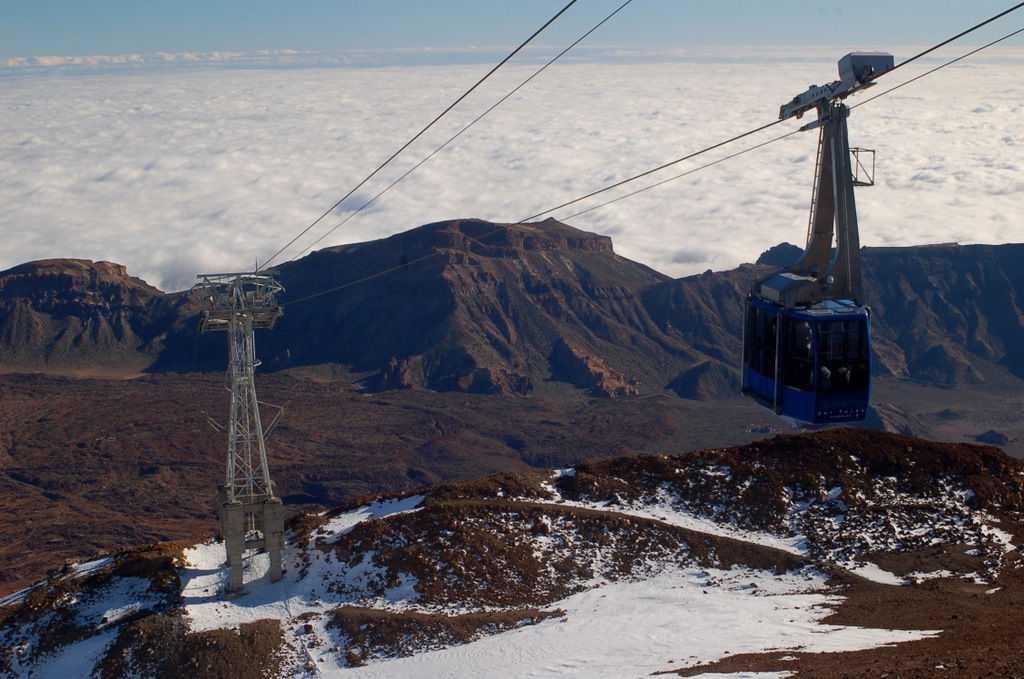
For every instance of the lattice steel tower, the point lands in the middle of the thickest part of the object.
(251, 514)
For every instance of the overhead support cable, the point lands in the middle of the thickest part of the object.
(417, 135)
(763, 127)
(680, 176)
(780, 138)
(652, 171)
(957, 36)
(939, 67)
(679, 160)
(463, 130)
(608, 188)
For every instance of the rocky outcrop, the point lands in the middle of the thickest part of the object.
(994, 438)
(706, 381)
(397, 374)
(590, 372)
(76, 315)
(781, 255)
(498, 381)
(473, 306)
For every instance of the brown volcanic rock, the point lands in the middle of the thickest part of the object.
(486, 556)
(62, 285)
(473, 306)
(945, 314)
(707, 381)
(397, 374)
(468, 305)
(770, 475)
(589, 371)
(942, 310)
(79, 316)
(496, 381)
(705, 312)
(91, 464)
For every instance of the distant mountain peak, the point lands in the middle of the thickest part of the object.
(71, 276)
(550, 234)
(470, 305)
(483, 238)
(783, 254)
(80, 316)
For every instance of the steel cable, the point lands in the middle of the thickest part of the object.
(956, 37)
(790, 134)
(693, 155)
(460, 132)
(417, 136)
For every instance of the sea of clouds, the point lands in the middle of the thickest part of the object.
(205, 163)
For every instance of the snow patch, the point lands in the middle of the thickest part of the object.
(343, 523)
(19, 596)
(870, 571)
(75, 661)
(663, 508)
(82, 569)
(636, 628)
(119, 599)
(933, 575)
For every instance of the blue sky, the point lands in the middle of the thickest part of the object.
(94, 27)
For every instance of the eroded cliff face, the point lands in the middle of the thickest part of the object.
(473, 306)
(946, 313)
(469, 305)
(588, 371)
(79, 316)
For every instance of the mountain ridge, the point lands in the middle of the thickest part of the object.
(514, 368)
(468, 305)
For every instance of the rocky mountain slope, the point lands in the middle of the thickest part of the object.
(472, 306)
(82, 317)
(90, 464)
(543, 311)
(946, 313)
(812, 554)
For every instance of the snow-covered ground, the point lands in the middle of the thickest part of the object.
(73, 662)
(665, 509)
(889, 530)
(676, 616)
(203, 582)
(617, 629)
(630, 629)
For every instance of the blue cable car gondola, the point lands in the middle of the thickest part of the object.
(811, 364)
(806, 339)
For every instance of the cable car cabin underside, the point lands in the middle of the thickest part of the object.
(809, 364)
(806, 339)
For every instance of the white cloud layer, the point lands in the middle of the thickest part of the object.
(174, 172)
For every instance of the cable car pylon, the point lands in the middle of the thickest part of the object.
(251, 514)
(806, 337)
